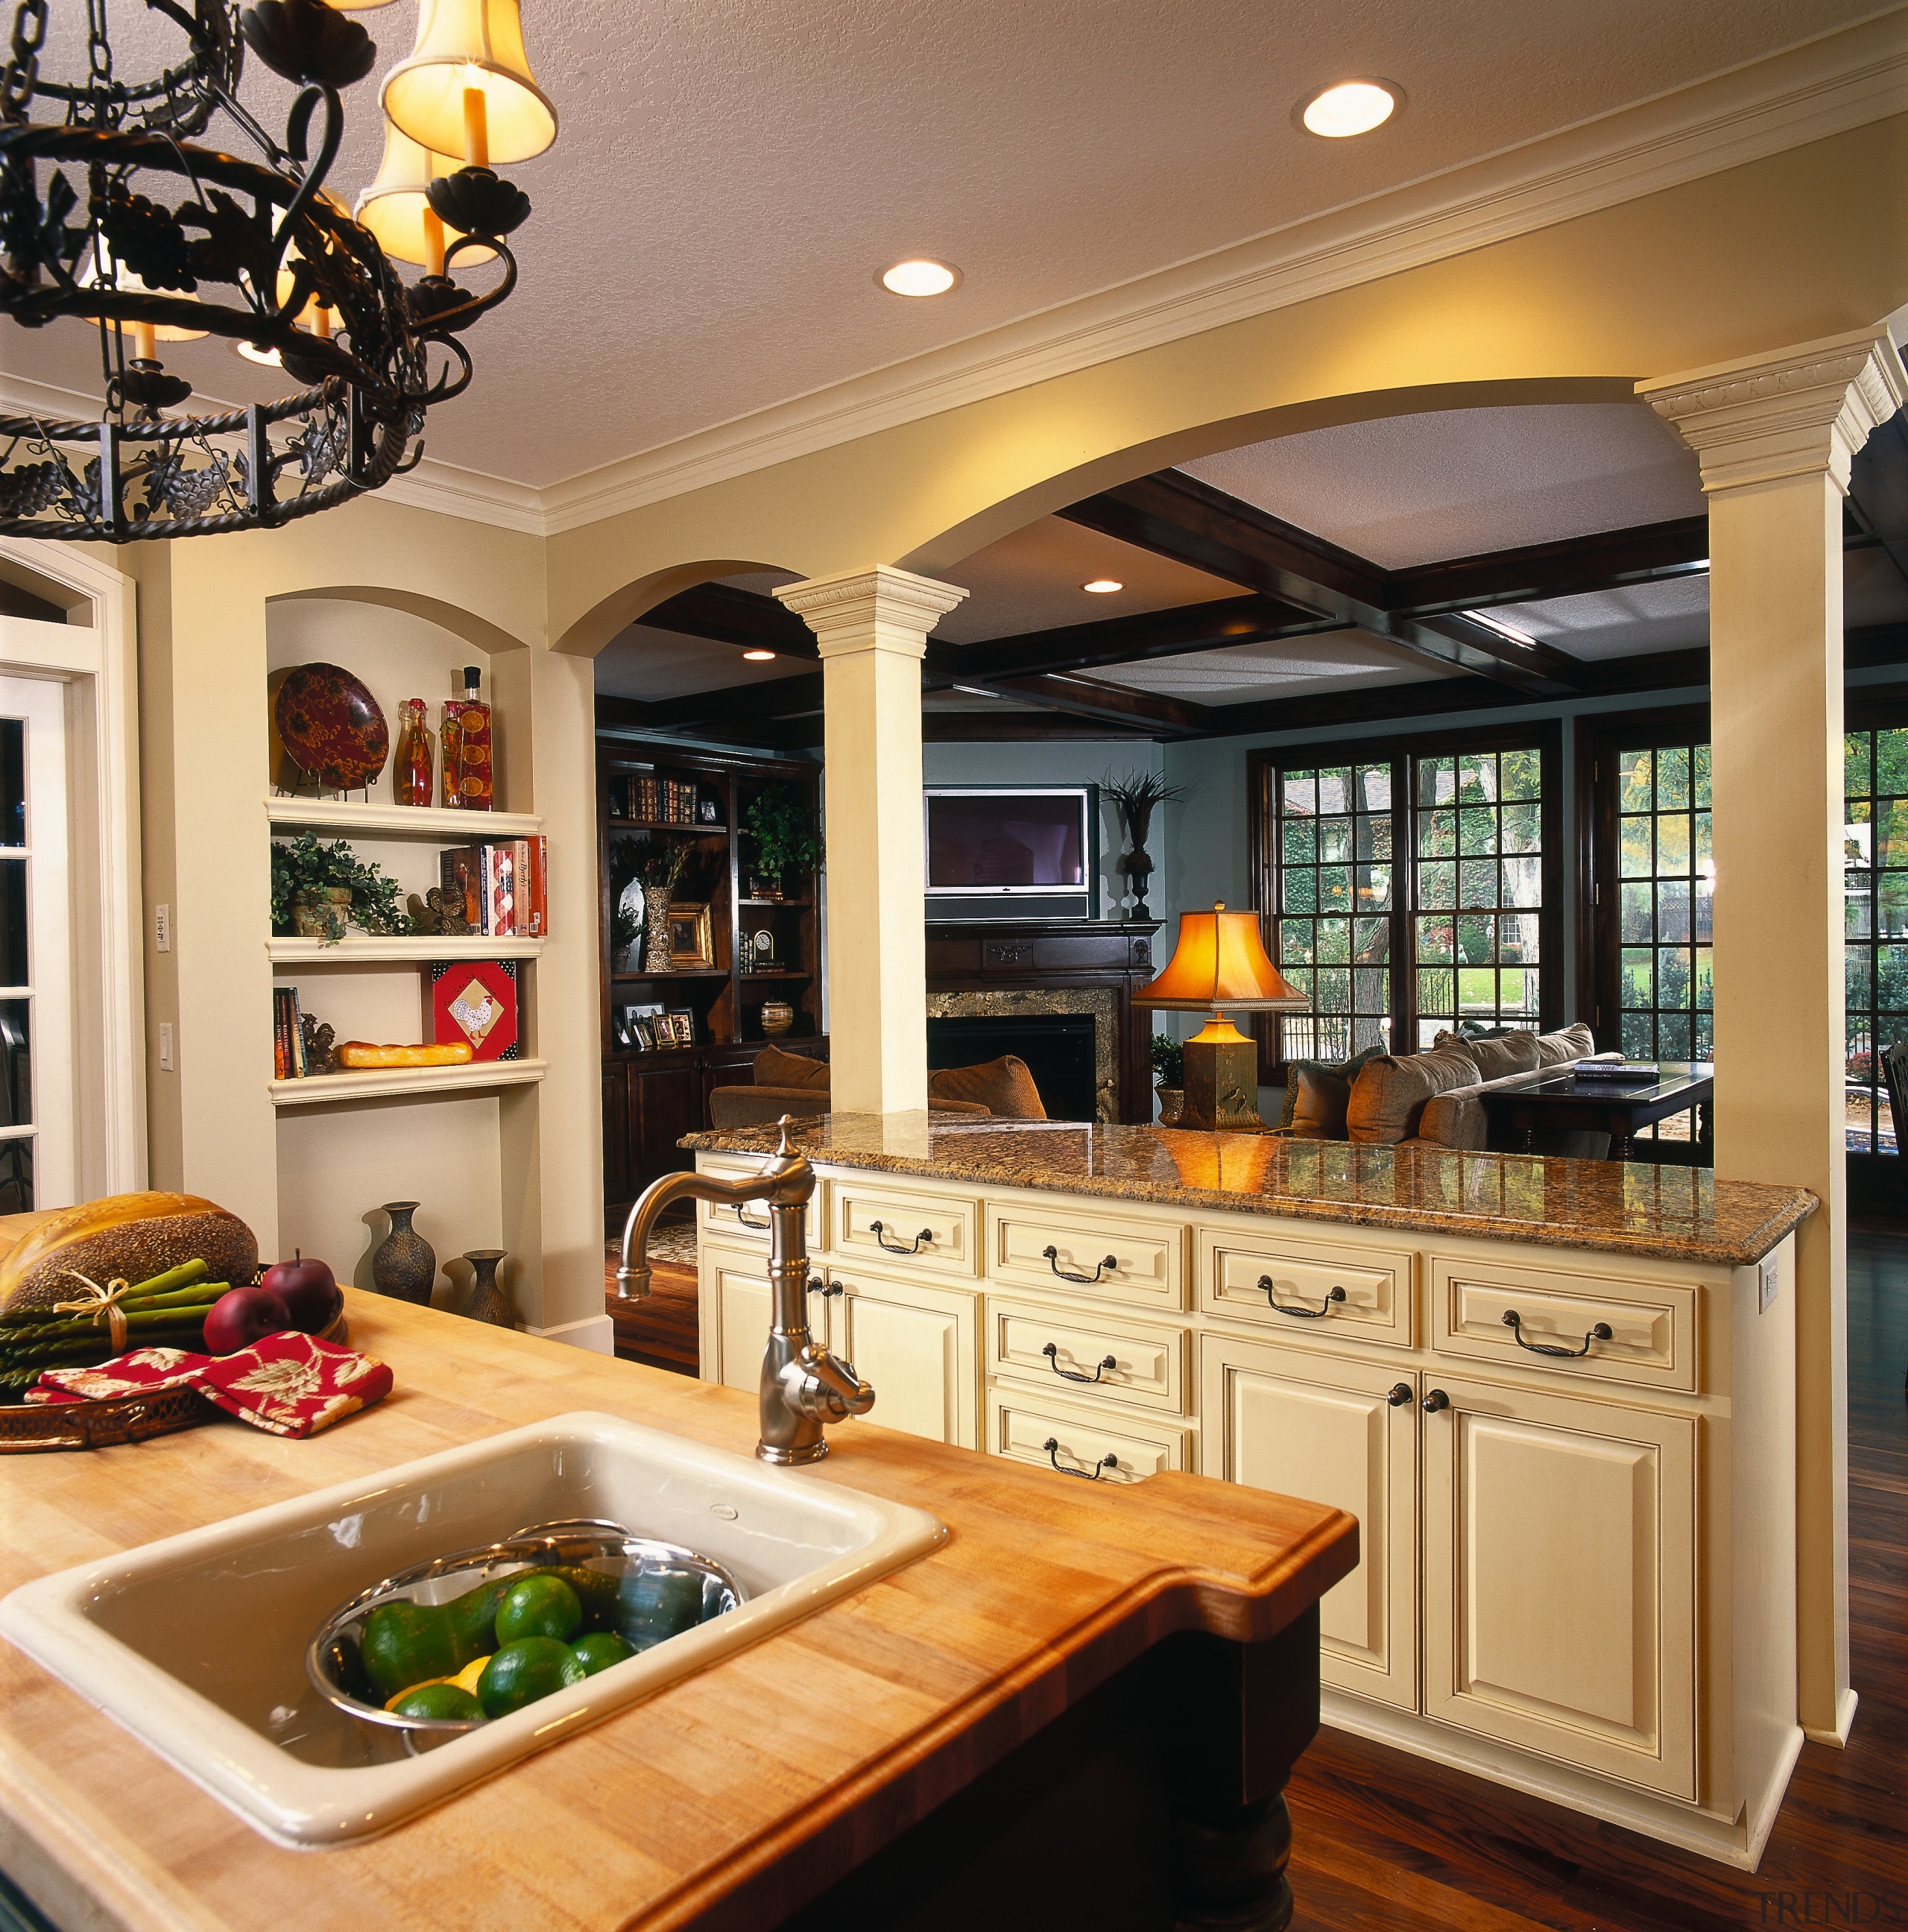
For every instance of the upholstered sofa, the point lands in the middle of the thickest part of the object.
(1431, 1098)
(795, 1083)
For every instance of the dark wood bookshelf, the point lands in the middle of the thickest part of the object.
(652, 1097)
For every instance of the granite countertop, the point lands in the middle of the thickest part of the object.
(1679, 1214)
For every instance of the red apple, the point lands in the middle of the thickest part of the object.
(310, 1293)
(243, 1315)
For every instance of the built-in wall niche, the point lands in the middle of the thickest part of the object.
(395, 655)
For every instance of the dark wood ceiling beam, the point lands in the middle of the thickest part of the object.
(1644, 554)
(1878, 492)
(1176, 516)
(727, 616)
(774, 697)
(1110, 703)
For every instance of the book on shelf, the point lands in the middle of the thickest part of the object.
(287, 1035)
(504, 886)
(661, 801)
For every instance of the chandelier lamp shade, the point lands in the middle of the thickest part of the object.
(1220, 961)
(467, 88)
(161, 209)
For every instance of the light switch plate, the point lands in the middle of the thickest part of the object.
(162, 928)
(1769, 1279)
(165, 1046)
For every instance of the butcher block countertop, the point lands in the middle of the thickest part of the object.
(724, 1800)
(1674, 1213)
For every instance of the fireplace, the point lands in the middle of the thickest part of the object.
(1057, 1048)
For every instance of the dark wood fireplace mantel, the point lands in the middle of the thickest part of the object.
(1066, 954)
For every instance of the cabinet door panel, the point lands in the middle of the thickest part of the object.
(735, 1295)
(664, 1105)
(1306, 1424)
(1560, 1579)
(918, 1345)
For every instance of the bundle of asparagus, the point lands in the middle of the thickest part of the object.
(167, 1312)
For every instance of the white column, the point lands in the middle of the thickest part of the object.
(1776, 435)
(872, 628)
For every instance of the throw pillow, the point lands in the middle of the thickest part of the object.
(1004, 1087)
(1499, 1059)
(1346, 1069)
(1389, 1095)
(1574, 1042)
(774, 1068)
(1319, 1102)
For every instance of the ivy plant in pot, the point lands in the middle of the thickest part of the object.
(788, 846)
(1168, 1058)
(317, 890)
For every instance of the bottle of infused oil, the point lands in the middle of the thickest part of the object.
(411, 770)
(473, 720)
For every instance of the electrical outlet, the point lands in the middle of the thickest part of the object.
(162, 928)
(1769, 1279)
(165, 1046)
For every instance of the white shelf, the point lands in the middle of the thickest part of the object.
(364, 949)
(389, 1082)
(433, 822)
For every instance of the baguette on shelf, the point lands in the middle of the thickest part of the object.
(359, 1055)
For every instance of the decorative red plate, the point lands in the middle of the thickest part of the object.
(331, 726)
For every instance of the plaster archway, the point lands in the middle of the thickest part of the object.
(610, 616)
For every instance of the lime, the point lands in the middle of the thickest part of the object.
(404, 1643)
(522, 1671)
(439, 1700)
(472, 1618)
(598, 1651)
(538, 1605)
(595, 1592)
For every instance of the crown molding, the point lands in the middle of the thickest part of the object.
(441, 487)
(1827, 86)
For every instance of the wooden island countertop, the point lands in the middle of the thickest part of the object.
(726, 1800)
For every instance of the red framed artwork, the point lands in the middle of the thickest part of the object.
(476, 1000)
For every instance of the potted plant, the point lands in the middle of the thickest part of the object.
(1138, 795)
(787, 844)
(1168, 1058)
(317, 889)
(626, 928)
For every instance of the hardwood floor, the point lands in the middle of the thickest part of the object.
(1382, 1840)
(662, 1331)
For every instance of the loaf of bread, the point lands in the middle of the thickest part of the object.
(128, 1236)
(361, 1054)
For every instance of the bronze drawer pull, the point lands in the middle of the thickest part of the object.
(1050, 1256)
(1434, 1400)
(895, 1247)
(1399, 1394)
(1108, 1461)
(1337, 1295)
(1603, 1332)
(1052, 1352)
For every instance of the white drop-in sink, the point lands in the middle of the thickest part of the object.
(197, 1643)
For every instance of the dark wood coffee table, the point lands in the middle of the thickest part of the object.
(1559, 1099)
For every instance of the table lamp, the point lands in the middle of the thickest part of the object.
(1220, 961)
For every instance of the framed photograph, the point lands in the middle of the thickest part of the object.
(682, 1027)
(692, 936)
(641, 1036)
(709, 811)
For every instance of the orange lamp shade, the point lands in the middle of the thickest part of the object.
(1220, 961)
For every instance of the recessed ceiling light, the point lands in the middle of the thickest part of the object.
(1351, 107)
(919, 277)
(760, 657)
(252, 352)
(1102, 587)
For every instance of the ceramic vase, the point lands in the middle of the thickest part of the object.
(778, 1016)
(655, 921)
(486, 1301)
(405, 1267)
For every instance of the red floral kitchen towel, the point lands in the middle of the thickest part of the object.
(291, 1384)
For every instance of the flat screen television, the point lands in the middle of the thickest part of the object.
(1008, 851)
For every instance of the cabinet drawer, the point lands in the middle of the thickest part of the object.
(750, 1223)
(936, 1234)
(1108, 1256)
(1308, 1291)
(1022, 1426)
(1652, 1324)
(1081, 1355)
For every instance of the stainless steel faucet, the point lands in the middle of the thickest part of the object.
(804, 1387)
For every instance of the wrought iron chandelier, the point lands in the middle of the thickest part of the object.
(111, 211)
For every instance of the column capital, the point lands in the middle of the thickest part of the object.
(883, 608)
(1802, 411)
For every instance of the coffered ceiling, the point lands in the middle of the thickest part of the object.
(730, 180)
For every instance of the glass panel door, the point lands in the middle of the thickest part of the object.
(36, 1039)
(1875, 890)
(1665, 889)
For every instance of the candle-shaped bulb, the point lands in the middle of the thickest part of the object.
(476, 129)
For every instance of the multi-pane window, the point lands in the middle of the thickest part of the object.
(1875, 848)
(1477, 837)
(1434, 863)
(1665, 884)
(1334, 827)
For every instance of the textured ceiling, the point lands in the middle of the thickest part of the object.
(730, 179)
(1418, 489)
(1343, 661)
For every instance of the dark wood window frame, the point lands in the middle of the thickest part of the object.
(1263, 769)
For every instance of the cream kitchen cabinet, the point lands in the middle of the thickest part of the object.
(917, 1342)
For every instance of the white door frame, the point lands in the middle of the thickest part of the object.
(95, 655)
